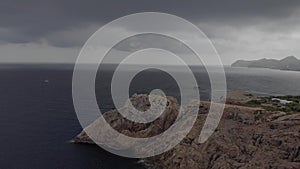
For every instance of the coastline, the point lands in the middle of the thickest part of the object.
(248, 136)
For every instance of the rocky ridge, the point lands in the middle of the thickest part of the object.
(247, 137)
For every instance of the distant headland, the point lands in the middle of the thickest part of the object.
(288, 63)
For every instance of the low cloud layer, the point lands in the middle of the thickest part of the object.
(54, 31)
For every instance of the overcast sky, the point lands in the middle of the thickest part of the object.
(55, 30)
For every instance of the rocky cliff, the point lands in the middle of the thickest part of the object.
(247, 137)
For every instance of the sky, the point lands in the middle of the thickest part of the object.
(37, 31)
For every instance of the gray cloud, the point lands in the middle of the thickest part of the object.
(239, 29)
(29, 21)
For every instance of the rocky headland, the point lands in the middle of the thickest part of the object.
(248, 135)
(288, 63)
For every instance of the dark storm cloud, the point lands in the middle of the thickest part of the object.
(33, 20)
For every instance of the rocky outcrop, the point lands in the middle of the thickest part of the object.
(127, 127)
(246, 137)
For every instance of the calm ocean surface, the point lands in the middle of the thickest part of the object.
(37, 117)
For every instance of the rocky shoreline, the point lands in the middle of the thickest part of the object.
(247, 136)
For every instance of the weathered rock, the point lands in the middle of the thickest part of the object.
(246, 137)
(129, 128)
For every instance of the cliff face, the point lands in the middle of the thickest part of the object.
(127, 127)
(288, 63)
(247, 137)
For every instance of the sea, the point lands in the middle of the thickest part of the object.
(38, 120)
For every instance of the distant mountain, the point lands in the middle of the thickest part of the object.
(288, 63)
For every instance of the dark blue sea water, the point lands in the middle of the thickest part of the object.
(37, 118)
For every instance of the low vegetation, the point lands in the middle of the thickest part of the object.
(273, 103)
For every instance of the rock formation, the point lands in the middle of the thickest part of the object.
(247, 137)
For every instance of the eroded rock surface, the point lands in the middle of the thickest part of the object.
(246, 137)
